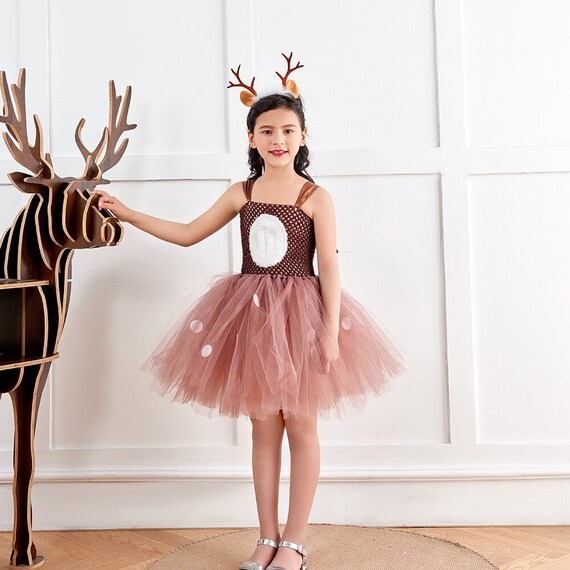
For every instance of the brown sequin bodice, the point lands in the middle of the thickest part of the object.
(277, 239)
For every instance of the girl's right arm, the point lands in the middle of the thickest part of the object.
(186, 234)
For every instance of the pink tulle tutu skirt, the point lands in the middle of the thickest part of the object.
(253, 345)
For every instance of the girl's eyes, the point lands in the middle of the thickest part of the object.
(268, 132)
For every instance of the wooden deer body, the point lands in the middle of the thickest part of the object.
(35, 273)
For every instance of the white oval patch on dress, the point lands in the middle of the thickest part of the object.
(196, 326)
(206, 350)
(267, 240)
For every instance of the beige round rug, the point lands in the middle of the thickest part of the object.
(332, 547)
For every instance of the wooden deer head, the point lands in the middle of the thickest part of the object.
(70, 217)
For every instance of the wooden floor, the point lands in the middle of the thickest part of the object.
(510, 548)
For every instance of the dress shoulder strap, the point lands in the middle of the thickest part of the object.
(247, 188)
(305, 193)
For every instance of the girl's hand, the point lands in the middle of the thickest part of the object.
(115, 206)
(328, 349)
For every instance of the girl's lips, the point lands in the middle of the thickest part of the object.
(277, 152)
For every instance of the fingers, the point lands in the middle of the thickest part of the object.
(323, 355)
(329, 360)
(105, 200)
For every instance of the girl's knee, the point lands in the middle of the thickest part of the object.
(269, 428)
(301, 428)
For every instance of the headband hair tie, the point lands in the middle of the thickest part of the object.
(250, 95)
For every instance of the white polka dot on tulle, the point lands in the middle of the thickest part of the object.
(256, 299)
(196, 326)
(346, 323)
(206, 350)
(312, 334)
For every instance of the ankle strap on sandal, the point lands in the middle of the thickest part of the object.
(298, 547)
(268, 542)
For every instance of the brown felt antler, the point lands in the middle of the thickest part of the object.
(246, 97)
(30, 156)
(289, 84)
(111, 134)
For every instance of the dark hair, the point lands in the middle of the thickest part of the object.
(269, 103)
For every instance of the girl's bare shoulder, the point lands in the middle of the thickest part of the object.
(236, 188)
(235, 195)
(321, 193)
(320, 201)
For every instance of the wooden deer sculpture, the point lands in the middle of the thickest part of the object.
(35, 270)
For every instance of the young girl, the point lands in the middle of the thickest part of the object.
(275, 342)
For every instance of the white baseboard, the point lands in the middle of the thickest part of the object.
(151, 474)
(224, 502)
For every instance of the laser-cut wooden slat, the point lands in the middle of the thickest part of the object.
(35, 272)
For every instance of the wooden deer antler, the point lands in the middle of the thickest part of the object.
(289, 68)
(14, 117)
(111, 134)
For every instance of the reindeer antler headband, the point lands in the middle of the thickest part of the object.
(250, 95)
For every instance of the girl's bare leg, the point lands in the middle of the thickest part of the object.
(305, 468)
(267, 438)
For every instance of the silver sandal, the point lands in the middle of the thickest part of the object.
(254, 565)
(299, 548)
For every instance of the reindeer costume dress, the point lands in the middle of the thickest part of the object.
(252, 343)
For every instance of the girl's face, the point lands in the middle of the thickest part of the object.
(277, 136)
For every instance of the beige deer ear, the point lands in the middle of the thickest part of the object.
(247, 98)
(291, 87)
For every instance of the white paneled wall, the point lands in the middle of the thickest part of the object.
(521, 300)
(441, 129)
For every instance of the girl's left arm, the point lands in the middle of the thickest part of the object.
(329, 274)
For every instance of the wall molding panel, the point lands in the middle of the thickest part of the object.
(461, 241)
